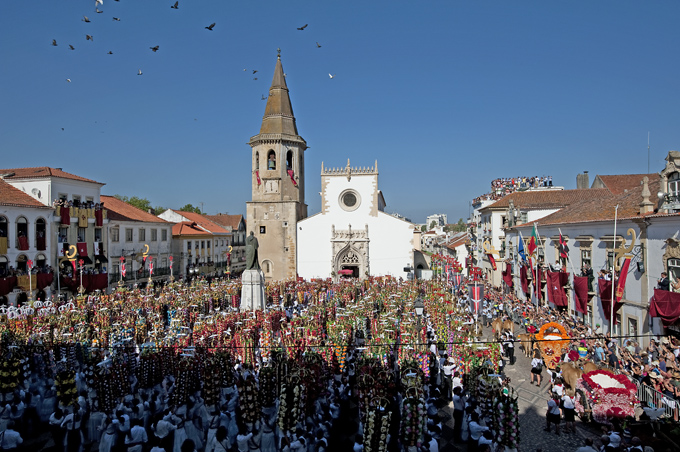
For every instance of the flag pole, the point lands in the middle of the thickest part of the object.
(611, 308)
(570, 263)
(538, 245)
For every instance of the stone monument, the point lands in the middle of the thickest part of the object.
(252, 280)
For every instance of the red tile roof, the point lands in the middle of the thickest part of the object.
(188, 228)
(11, 196)
(604, 207)
(548, 199)
(203, 221)
(229, 222)
(619, 183)
(40, 172)
(122, 211)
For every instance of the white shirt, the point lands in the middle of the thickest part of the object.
(434, 445)
(568, 402)
(137, 437)
(10, 439)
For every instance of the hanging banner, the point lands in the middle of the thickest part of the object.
(621, 286)
(476, 294)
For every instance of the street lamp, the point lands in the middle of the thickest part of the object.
(419, 306)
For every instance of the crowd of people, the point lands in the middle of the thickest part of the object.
(181, 368)
(505, 185)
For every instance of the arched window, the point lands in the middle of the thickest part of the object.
(289, 160)
(267, 267)
(271, 160)
(257, 161)
(22, 263)
(40, 234)
(3, 235)
(4, 266)
(40, 260)
(674, 185)
(22, 233)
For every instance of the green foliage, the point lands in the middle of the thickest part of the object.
(433, 224)
(190, 208)
(141, 203)
(423, 228)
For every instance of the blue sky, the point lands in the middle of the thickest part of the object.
(446, 95)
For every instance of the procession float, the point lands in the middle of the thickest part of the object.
(604, 396)
(553, 341)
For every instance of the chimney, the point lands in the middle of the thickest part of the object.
(582, 180)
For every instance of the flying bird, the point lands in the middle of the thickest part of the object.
(331, 76)
(89, 38)
(71, 47)
(245, 70)
(303, 27)
(254, 78)
(140, 72)
(175, 6)
(99, 2)
(98, 11)
(117, 19)
(318, 46)
(254, 71)
(263, 97)
(110, 53)
(68, 80)
(54, 42)
(155, 48)
(210, 27)
(86, 19)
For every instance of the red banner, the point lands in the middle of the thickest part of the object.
(621, 285)
(492, 260)
(507, 275)
(82, 249)
(605, 288)
(666, 305)
(524, 279)
(581, 294)
(556, 293)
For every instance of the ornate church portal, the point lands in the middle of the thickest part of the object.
(350, 252)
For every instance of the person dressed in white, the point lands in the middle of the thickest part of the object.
(10, 439)
(136, 437)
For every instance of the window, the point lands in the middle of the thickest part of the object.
(116, 268)
(674, 185)
(349, 200)
(128, 234)
(115, 234)
(289, 160)
(3, 227)
(142, 234)
(82, 234)
(673, 270)
(189, 246)
(4, 265)
(197, 245)
(202, 244)
(154, 235)
(263, 229)
(610, 261)
(62, 196)
(164, 235)
(267, 267)
(585, 258)
(617, 326)
(164, 262)
(40, 234)
(632, 326)
(97, 234)
(271, 160)
(208, 244)
(257, 161)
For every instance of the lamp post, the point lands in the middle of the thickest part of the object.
(81, 289)
(172, 278)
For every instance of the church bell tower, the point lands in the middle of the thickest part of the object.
(278, 183)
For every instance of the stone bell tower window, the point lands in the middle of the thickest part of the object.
(271, 160)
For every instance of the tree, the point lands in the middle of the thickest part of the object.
(141, 203)
(423, 228)
(460, 226)
(190, 208)
(433, 224)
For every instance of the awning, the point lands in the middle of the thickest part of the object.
(101, 259)
(86, 260)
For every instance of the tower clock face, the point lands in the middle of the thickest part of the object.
(271, 186)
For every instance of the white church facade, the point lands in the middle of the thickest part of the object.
(352, 236)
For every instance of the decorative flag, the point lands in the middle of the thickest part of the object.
(150, 267)
(457, 277)
(82, 249)
(476, 295)
(532, 246)
(257, 174)
(492, 260)
(97, 248)
(564, 249)
(122, 269)
(520, 249)
(621, 285)
(292, 177)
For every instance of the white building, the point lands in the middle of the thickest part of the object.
(132, 233)
(82, 225)
(647, 231)
(439, 219)
(352, 236)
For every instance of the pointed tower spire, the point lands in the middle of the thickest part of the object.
(278, 115)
